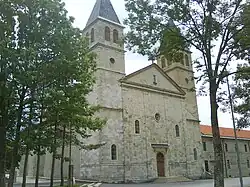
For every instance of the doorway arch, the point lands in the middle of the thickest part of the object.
(160, 164)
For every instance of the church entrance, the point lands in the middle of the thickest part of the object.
(160, 164)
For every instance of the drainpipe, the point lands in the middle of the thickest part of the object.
(123, 138)
(147, 155)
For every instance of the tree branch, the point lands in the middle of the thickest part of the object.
(235, 72)
(224, 67)
(225, 37)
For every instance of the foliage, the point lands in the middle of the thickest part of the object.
(243, 37)
(242, 95)
(241, 88)
(46, 71)
(214, 28)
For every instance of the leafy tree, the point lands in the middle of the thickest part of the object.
(212, 27)
(241, 87)
(46, 71)
(242, 95)
(6, 55)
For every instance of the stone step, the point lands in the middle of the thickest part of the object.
(172, 179)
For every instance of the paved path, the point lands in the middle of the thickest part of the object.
(200, 183)
(46, 182)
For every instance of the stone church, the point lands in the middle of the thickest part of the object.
(152, 125)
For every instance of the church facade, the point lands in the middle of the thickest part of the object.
(152, 125)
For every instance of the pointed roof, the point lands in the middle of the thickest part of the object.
(104, 9)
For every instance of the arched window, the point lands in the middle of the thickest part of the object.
(113, 152)
(182, 58)
(137, 127)
(245, 147)
(204, 146)
(177, 131)
(107, 33)
(195, 154)
(226, 149)
(169, 60)
(187, 60)
(115, 36)
(228, 164)
(87, 37)
(92, 35)
(248, 164)
(163, 62)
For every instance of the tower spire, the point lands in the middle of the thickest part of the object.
(103, 9)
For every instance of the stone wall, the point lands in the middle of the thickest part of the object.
(142, 104)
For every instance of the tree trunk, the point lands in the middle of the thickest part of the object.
(3, 123)
(52, 169)
(28, 136)
(37, 166)
(53, 158)
(218, 152)
(2, 154)
(25, 166)
(62, 157)
(39, 150)
(16, 142)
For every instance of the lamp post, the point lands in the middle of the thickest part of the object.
(235, 134)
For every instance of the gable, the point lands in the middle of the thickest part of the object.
(153, 77)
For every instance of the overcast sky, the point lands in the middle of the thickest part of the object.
(81, 9)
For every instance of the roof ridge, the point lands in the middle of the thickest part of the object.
(225, 131)
(226, 128)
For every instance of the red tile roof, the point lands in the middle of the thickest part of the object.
(225, 132)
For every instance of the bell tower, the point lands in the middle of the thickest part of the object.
(181, 71)
(105, 34)
(179, 68)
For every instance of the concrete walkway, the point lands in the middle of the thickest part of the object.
(43, 182)
(30, 180)
(232, 182)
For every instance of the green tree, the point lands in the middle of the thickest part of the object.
(41, 50)
(241, 95)
(6, 56)
(212, 27)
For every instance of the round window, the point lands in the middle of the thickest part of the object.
(112, 60)
(157, 117)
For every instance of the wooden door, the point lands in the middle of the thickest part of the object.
(160, 165)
